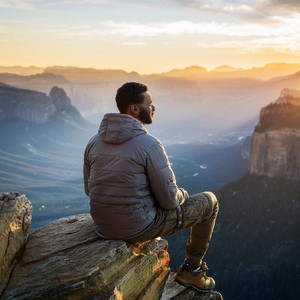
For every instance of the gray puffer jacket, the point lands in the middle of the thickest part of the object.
(127, 174)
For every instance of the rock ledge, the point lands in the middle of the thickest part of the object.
(67, 260)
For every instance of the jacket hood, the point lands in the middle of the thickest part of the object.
(118, 128)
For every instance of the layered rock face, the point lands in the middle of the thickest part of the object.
(36, 107)
(67, 260)
(275, 148)
(15, 219)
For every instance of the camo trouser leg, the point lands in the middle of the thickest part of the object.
(198, 213)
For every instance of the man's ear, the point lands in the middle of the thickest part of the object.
(134, 110)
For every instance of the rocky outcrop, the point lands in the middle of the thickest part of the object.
(36, 107)
(64, 109)
(67, 260)
(275, 150)
(246, 147)
(289, 96)
(15, 219)
(276, 154)
(25, 105)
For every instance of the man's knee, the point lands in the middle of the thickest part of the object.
(214, 204)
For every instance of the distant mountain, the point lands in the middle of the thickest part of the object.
(226, 68)
(216, 106)
(21, 70)
(42, 143)
(92, 76)
(37, 82)
(266, 72)
(273, 70)
(189, 72)
(292, 79)
(37, 107)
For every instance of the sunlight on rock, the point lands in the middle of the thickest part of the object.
(118, 295)
(14, 226)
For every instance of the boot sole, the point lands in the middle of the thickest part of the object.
(192, 286)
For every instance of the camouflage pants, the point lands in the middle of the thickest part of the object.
(198, 213)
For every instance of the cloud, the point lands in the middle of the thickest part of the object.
(36, 4)
(243, 7)
(74, 2)
(285, 27)
(284, 37)
(279, 29)
(218, 6)
(278, 44)
(247, 9)
(132, 43)
(292, 3)
(18, 4)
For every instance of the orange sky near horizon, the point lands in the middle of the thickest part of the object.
(150, 36)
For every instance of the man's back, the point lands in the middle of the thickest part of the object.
(121, 199)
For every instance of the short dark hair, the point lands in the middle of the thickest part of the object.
(130, 93)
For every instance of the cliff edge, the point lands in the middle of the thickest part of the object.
(275, 150)
(36, 107)
(67, 260)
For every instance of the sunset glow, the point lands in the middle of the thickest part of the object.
(149, 36)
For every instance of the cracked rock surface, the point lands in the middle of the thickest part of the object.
(15, 220)
(67, 260)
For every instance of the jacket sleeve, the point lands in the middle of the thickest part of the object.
(162, 179)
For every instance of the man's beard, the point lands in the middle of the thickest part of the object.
(145, 116)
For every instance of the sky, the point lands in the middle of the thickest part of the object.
(149, 36)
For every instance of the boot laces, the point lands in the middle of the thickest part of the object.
(202, 269)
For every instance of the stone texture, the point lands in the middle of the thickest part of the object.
(276, 154)
(67, 260)
(246, 148)
(275, 148)
(15, 219)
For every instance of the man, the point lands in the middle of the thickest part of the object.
(133, 191)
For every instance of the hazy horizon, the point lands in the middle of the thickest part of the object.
(217, 68)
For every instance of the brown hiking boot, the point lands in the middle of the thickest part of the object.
(196, 279)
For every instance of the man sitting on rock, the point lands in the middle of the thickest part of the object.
(133, 191)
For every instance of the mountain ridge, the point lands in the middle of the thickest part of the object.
(35, 106)
(266, 71)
